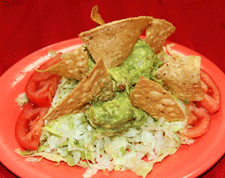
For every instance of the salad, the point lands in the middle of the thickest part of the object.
(117, 102)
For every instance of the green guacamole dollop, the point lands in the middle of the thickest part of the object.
(141, 62)
(115, 116)
(118, 115)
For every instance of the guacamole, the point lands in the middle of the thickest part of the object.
(115, 116)
(118, 115)
(141, 62)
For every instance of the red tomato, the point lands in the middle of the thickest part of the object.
(198, 122)
(29, 126)
(212, 101)
(41, 87)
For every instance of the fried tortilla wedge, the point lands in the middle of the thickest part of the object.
(74, 64)
(157, 32)
(155, 100)
(97, 85)
(96, 17)
(114, 41)
(182, 77)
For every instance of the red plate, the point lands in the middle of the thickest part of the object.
(188, 161)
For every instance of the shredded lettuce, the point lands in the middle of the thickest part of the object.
(71, 139)
(64, 88)
(22, 99)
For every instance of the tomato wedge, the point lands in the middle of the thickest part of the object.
(198, 122)
(29, 126)
(212, 100)
(41, 87)
(200, 111)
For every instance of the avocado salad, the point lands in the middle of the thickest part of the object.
(114, 134)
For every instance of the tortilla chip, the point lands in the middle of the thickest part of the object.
(96, 17)
(182, 77)
(96, 83)
(155, 100)
(157, 32)
(74, 65)
(113, 42)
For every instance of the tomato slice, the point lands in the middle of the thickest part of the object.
(41, 87)
(29, 126)
(212, 100)
(198, 122)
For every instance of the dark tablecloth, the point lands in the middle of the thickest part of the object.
(26, 26)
